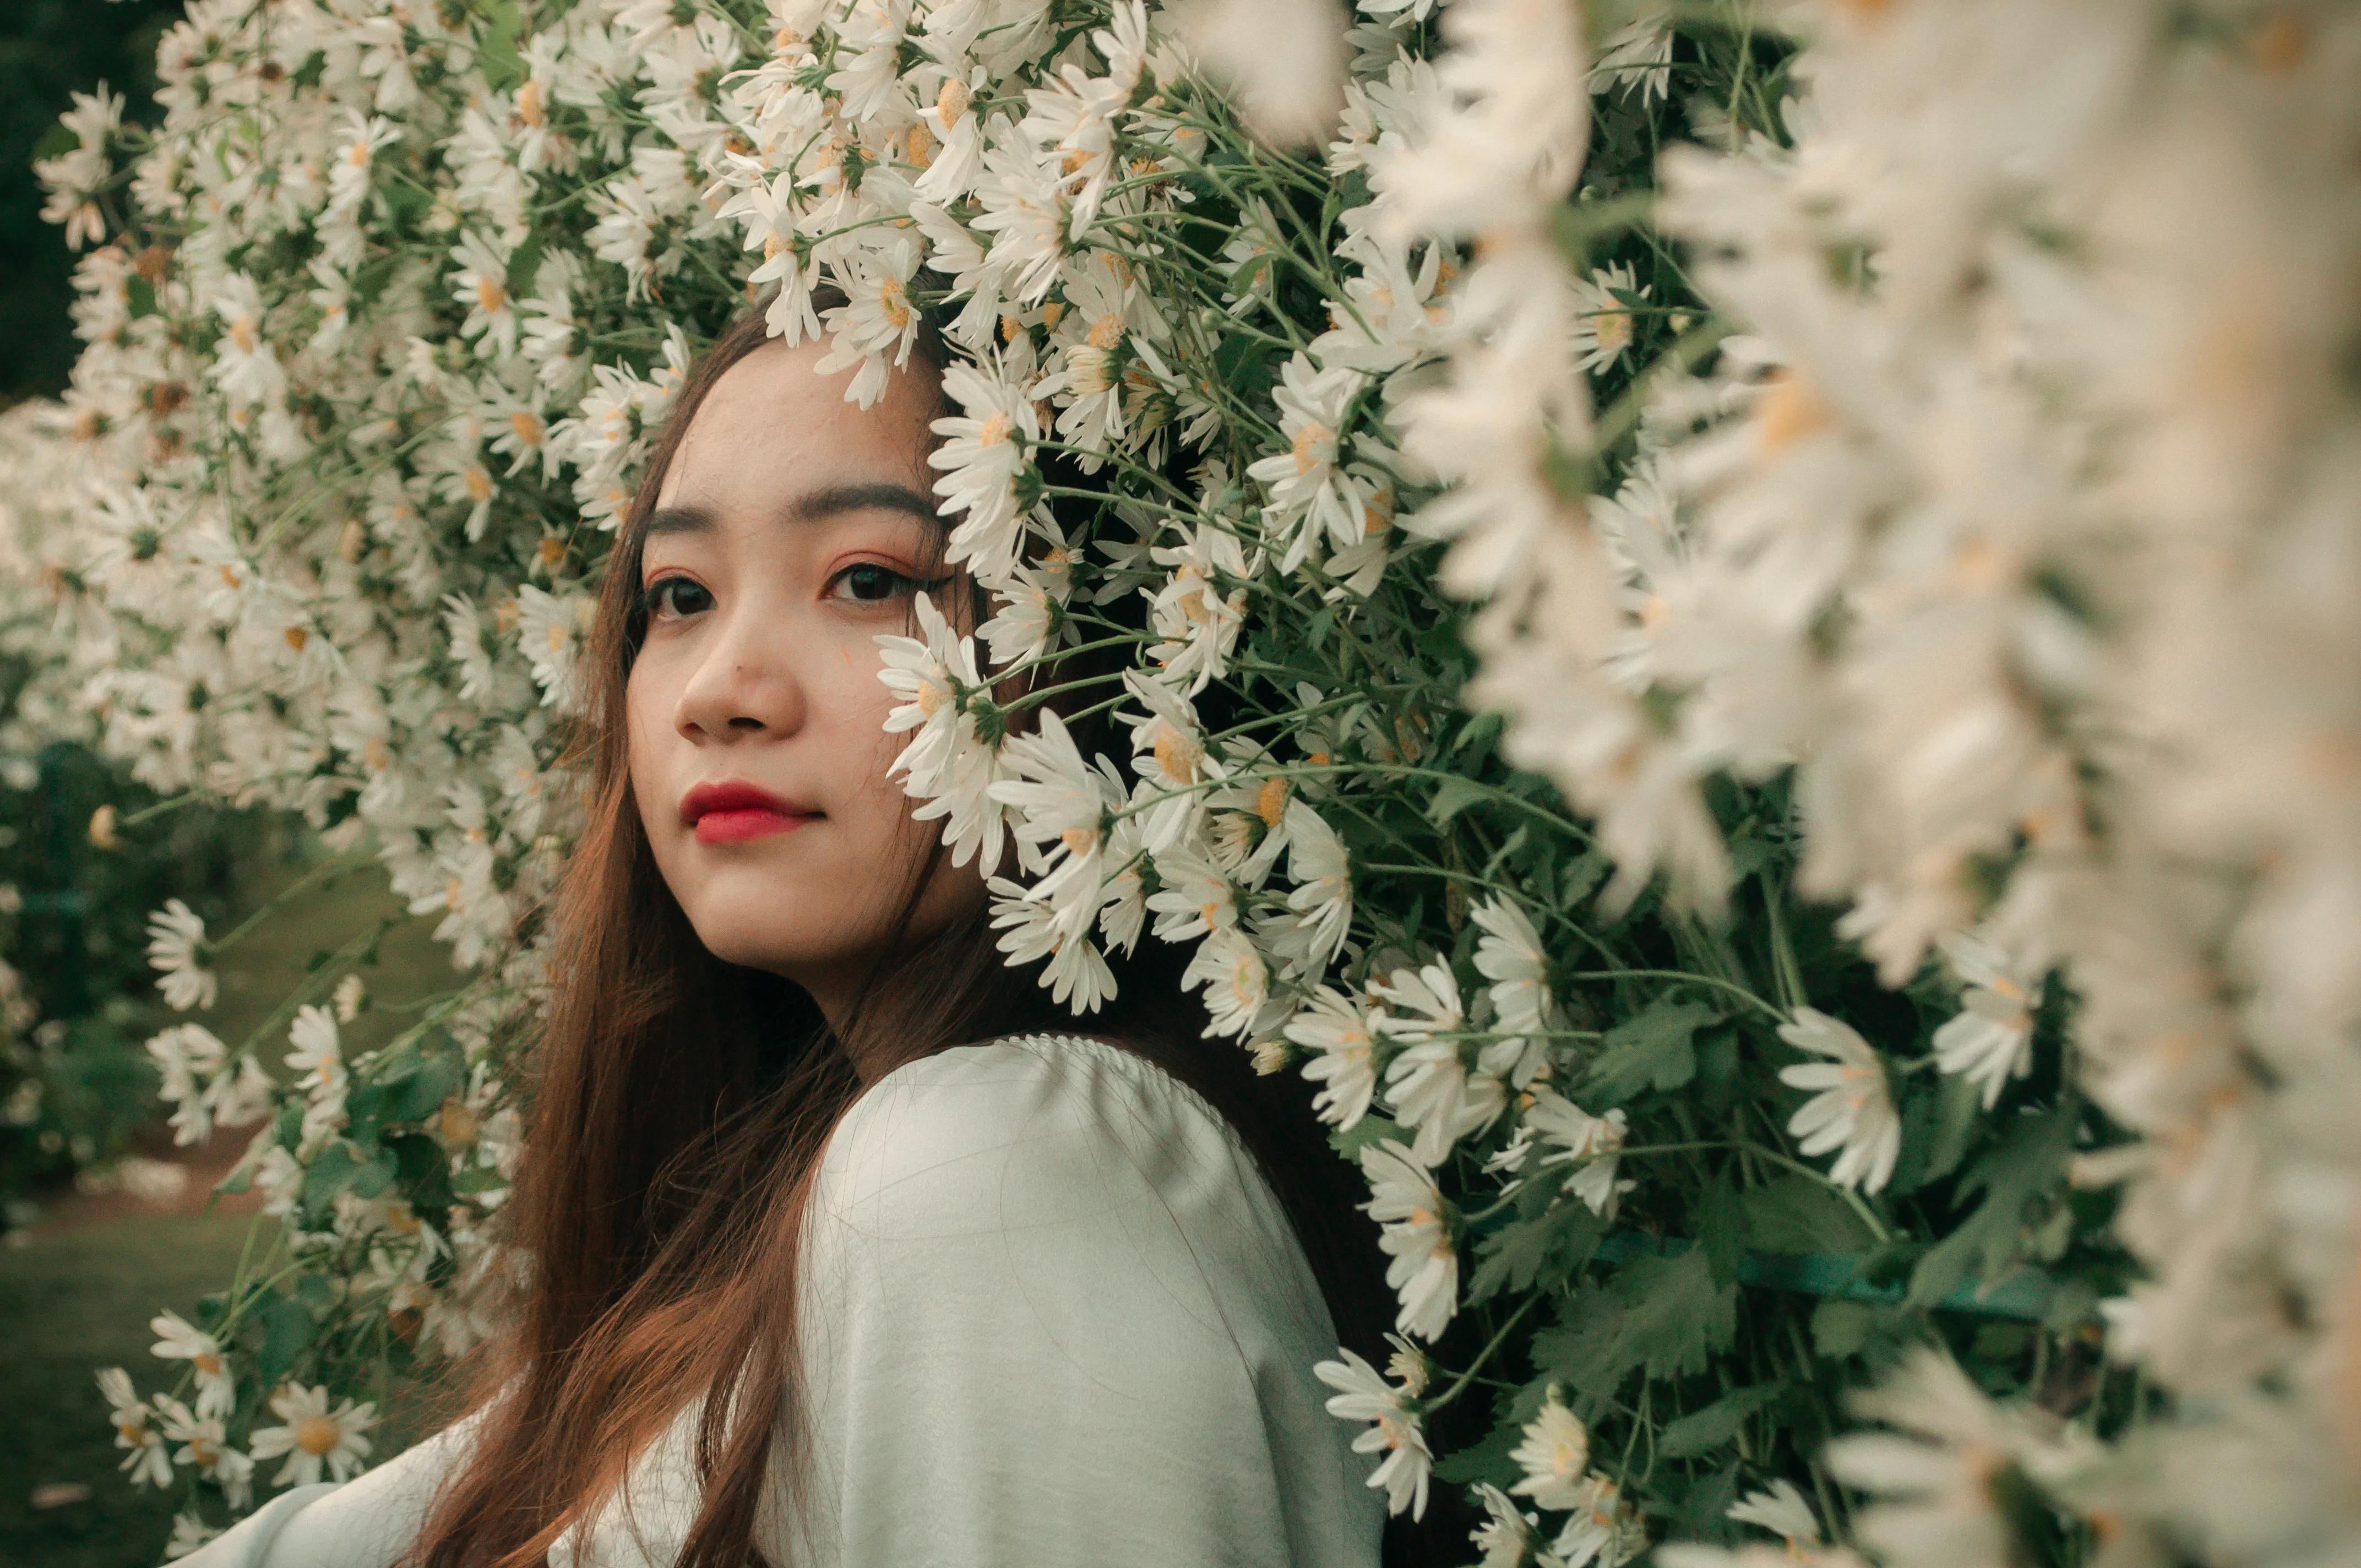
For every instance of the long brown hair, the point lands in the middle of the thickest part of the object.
(679, 1106)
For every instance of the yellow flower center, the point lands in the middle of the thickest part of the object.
(1309, 439)
(950, 104)
(1175, 754)
(1270, 800)
(317, 1435)
(1788, 412)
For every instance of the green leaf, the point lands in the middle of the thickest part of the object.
(1661, 1316)
(2029, 1160)
(1453, 797)
(1703, 1511)
(1651, 1051)
(1369, 1129)
(374, 1178)
(286, 1329)
(502, 65)
(56, 142)
(1680, 1318)
(1701, 1432)
(1721, 1231)
(1798, 1214)
(1939, 1124)
(525, 262)
(478, 1179)
(1540, 1252)
(421, 1169)
(1841, 1328)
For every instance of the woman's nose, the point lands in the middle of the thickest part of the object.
(745, 684)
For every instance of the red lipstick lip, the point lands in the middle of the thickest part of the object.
(731, 810)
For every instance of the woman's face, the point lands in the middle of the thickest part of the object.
(790, 530)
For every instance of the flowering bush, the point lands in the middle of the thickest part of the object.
(79, 872)
(1915, 557)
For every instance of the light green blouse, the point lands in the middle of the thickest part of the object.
(1052, 1317)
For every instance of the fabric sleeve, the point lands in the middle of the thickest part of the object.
(1054, 1317)
(368, 1522)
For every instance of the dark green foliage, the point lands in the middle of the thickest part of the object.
(48, 51)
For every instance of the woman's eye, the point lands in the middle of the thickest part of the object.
(668, 597)
(871, 583)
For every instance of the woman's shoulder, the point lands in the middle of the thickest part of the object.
(1031, 1131)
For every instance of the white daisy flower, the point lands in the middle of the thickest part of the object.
(319, 1053)
(1990, 1041)
(1235, 979)
(1025, 212)
(1198, 627)
(176, 948)
(1555, 1454)
(1323, 896)
(549, 632)
(149, 1463)
(1783, 1511)
(1362, 1395)
(481, 285)
(1170, 758)
(1604, 329)
(189, 1532)
(1853, 1108)
(1062, 802)
(984, 455)
(179, 1340)
(1335, 1028)
(1309, 497)
(931, 675)
(1509, 954)
(1425, 1270)
(314, 1437)
(1508, 1537)
(1575, 1135)
(1603, 1530)
(1075, 967)
(183, 1054)
(1429, 1084)
(205, 1444)
(1195, 897)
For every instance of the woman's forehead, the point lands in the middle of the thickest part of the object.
(774, 422)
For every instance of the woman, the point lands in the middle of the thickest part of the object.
(847, 1249)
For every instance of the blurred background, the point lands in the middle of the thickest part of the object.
(104, 1221)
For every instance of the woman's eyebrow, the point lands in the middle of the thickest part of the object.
(680, 520)
(813, 505)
